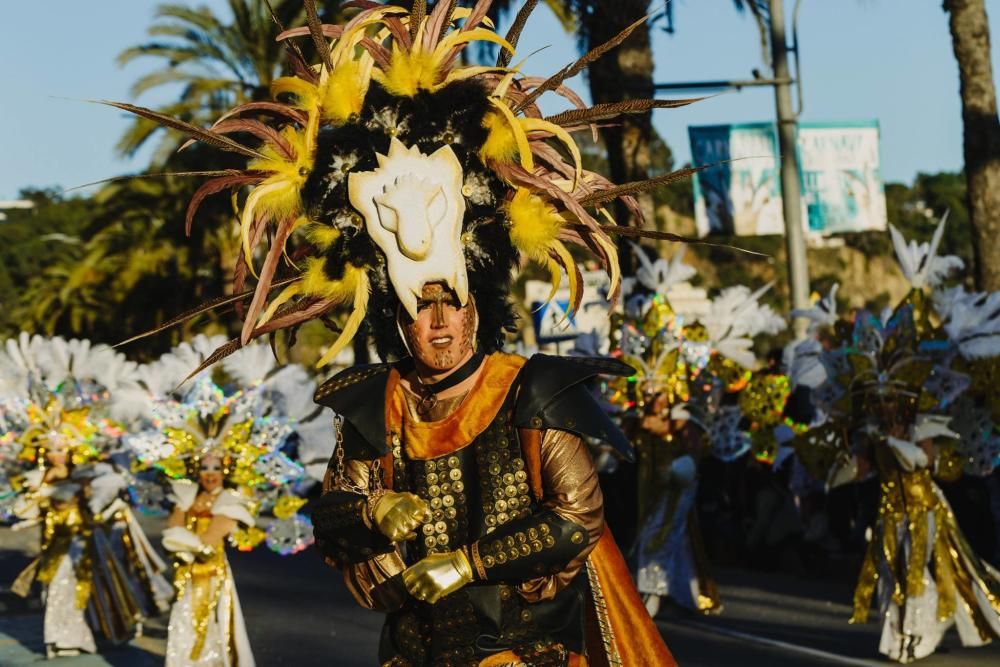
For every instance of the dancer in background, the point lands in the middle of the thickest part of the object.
(690, 366)
(60, 400)
(235, 440)
(900, 399)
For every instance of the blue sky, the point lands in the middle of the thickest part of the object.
(888, 60)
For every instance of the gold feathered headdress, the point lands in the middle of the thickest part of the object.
(389, 77)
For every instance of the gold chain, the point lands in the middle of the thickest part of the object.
(340, 480)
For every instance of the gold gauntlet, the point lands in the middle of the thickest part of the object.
(397, 515)
(438, 575)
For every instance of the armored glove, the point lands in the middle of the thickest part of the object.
(397, 515)
(438, 575)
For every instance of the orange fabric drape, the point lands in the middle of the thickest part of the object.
(637, 638)
(429, 440)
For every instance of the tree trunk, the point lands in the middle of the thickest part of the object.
(970, 34)
(624, 73)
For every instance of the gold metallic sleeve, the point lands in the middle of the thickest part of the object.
(572, 491)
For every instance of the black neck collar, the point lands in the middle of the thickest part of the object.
(456, 377)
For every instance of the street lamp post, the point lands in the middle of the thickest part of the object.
(791, 192)
(791, 195)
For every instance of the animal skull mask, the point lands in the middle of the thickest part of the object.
(413, 208)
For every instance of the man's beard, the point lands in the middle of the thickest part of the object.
(443, 359)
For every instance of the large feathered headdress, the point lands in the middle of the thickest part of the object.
(62, 394)
(389, 164)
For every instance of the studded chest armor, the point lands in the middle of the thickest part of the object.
(471, 491)
(480, 496)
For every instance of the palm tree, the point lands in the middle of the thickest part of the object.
(219, 64)
(131, 268)
(970, 35)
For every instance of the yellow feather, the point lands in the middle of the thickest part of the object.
(612, 253)
(463, 13)
(322, 236)
(247, 218)
(315, 281)
(462, 73)
(282, 201)
(534, 225)
(343, 92)
(502, 87)
(360, 280)
(474, 35)
(568, 264)
(555, 276)
(282, 298)
(407, 73)
(305, 94)
(520, 138)
(343, 48)
(500, 145)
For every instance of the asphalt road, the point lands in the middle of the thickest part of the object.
(299, 613)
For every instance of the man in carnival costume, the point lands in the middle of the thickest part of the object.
(390, 179)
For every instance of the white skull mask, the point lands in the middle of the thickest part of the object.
(413, 208)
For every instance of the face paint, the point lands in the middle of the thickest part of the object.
(443, 334)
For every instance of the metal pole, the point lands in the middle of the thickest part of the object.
(791, 197)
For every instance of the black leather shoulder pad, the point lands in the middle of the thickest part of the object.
(358, 395)
(553, 394)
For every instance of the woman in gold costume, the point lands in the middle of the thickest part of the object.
(686, 358)
(97, 569)
(222, 454)
(206, 622)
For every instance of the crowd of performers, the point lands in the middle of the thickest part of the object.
(94, 447)
(904, 399)
(93, 443)
(396, 186)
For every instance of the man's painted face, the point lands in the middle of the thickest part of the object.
(442, 335)
(210, 473)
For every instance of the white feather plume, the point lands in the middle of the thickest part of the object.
(736, 317)
(823, 312)
(971, 320)
(661, 275)
(33, 362)
(285, 392)
(920, 262)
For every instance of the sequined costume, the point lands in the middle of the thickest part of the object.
(685, 361)
(221, 442)
(97, 569)
(206, 626)
(93, 574)
(901, 397)
(926, 577)
(508, 480)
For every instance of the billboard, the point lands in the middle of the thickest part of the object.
(839, 174)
